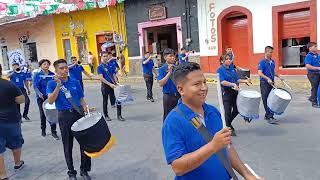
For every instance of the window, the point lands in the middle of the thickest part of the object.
(5, 59)
(82, 49)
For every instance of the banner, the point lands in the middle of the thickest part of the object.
(16, 56)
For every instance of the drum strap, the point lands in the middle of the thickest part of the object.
(108, 74)
(207, 136)
(230, 74)
(269, 67)
(73, 104)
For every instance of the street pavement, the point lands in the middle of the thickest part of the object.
(289, 151)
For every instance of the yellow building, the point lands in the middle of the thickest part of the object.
(80, 32)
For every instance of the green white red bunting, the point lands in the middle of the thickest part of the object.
(33, 8)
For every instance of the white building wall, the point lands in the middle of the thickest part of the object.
(261, 22)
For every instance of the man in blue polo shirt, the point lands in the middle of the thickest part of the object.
(40, 82)
(165, 80)
(69, 100)
(107, 73)
(190, 157)
(183, 56)
(76, 70)
(148, 69)
(19, 79)
(266, 71)
(312, 62)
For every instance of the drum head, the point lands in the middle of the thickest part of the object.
(46, 105)
(283, 94)
(86, 122)
(250, 94)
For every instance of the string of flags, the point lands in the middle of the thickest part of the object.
(33, 8)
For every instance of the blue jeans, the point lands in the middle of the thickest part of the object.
(10, 136)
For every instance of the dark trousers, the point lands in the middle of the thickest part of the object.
(91, 68)
(26, 103)
(170, 101)
(81, 84)
(149, 83)
(265, 89)
(66, 119)
(43, 117)
(314, 79)
(230, 106)
(107, 92)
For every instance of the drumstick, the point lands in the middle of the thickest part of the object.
(88, 110)
(221, 103)
(286, 84)
(252, 172)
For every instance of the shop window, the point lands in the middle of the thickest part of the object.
(5, 59)
(294, 50)
(30, 53)
(82, 49)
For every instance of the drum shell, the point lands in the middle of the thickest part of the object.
(51, 114)
(276, 104)
(94, 138)
(243, 73)
(248, 106)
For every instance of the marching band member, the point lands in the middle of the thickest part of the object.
(69, 99)
(76, 70)
(183, 56)
(266, 71)
(165, 80)
(148, 69)
(186, 151)
(230, 87)
(40, 82)
(107, 71)
(19, 79)
(312, 62)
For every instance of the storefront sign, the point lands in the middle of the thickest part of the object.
(157, 12)
(16, 56)
(213, 30)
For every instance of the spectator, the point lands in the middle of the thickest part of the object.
(10, 124)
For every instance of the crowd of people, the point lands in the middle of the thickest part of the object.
(192, 152)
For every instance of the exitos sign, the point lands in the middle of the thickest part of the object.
(213, 30)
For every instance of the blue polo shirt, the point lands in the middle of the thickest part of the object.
(73, 87)
(169, 87)
(147, 68)
(228, 74)
(108, 71)
(181, 56)
(40, 83)
(313, 60)
(263, 66)
(180, 137)
(76, 72)
(114, 63)
(18, 79)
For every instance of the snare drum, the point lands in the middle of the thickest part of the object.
(278, 100)
(248, 102)
(51, 112)
(93, 134)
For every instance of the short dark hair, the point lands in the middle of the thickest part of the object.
(168, 51)
(15, 63)
(268, 48)
(43, 61)
(223, 58)
(183, 70)
(310, 44)
(182, 49)
(104, 52)
(59, 61)
(0, 70)
(73, 57)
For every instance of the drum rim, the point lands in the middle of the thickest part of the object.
(284, 90)
(94, 113)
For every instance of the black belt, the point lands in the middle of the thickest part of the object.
(68, 110)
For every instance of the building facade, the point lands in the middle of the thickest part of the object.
(81, 32)
(155, 25)
(248, 26)
(34, 38)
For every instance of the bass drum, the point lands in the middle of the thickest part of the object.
(248, 102)
(93, 134)
(278, 100)
(50, 111)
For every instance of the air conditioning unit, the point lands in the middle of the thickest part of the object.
(117, 38)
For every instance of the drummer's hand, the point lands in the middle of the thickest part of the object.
(270, 81)
(57, 79)
(40, 95)
(113, 86)
(252, 177)
(221, 139)
(249, 80)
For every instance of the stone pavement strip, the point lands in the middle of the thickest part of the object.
(284, 152)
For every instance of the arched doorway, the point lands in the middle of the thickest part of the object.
(235, 29)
